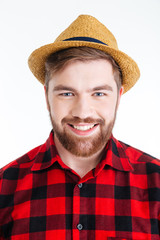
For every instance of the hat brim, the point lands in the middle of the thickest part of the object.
(129, 68)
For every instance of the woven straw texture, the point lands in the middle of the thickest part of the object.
(86, 26)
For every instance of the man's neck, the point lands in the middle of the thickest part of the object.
(81, 165)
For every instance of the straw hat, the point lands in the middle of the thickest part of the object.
(86, 31)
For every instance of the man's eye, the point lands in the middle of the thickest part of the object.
(99, 94)
(67, 94)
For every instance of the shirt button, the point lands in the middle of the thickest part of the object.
(80, 185)
(80, 227)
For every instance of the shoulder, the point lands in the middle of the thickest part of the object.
(22, 166)
(11, 170)
(137, 157)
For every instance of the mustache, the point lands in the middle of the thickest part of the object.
(77, 120)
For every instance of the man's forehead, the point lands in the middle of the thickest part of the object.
(90, 75)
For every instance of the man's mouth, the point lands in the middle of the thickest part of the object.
(83, 127)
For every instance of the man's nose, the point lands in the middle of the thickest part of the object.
(82, 108)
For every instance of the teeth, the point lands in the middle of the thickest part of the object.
(83, 128)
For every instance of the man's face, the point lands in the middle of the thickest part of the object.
(82, 100)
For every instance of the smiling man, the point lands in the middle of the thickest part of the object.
(82, 183)
(81, 126)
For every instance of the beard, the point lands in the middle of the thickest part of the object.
(83, 146)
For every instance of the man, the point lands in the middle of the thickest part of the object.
(82, 183)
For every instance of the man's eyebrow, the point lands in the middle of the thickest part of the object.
(102, 87)
(63, 88)
(67, 88)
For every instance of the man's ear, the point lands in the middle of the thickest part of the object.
(46, 97)
(120, 93)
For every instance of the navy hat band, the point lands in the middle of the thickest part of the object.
(86, 39)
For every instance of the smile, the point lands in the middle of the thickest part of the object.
(83, 130)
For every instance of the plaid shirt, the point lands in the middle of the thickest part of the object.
(41, 198)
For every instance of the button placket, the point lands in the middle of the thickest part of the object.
(79, 225)
(76, 211)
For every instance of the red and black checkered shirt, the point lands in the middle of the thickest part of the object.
(41, 198)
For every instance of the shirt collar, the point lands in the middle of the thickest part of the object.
(114, 156)
(47, 155)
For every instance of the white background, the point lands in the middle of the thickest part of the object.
(28, 24)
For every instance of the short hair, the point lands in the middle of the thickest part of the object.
(58, 60)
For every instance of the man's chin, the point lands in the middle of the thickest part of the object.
(83, 146)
